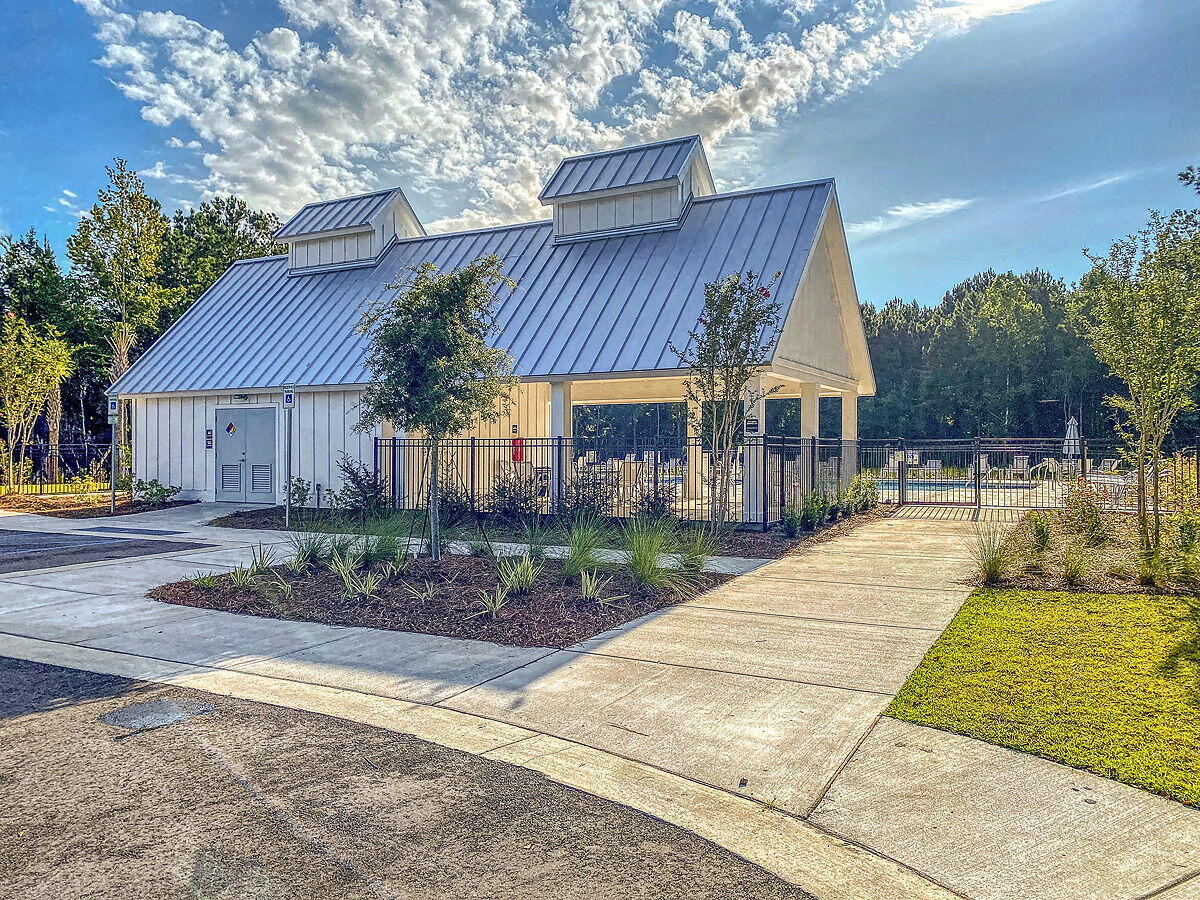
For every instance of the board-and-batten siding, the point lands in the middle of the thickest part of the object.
(330, 251)
(622, 211)
(168, 438)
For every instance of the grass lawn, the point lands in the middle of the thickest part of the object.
(1104, 682)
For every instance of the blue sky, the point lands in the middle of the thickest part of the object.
(964, 134)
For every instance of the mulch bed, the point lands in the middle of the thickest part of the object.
(745, 543)
(79, 506)
(552, 615)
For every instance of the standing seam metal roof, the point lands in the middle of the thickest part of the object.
(626, 167)
(607, 305)
(328, 215)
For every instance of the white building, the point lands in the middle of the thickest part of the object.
(604, 285)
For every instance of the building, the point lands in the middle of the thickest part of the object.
(604, 285)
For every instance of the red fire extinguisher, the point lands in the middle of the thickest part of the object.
(518, 449)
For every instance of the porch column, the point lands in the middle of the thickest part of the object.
(695, 456)
(810, 427)
(753, 451)
(849, 435)
(560, 427)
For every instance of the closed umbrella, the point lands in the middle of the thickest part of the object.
(1072, 446)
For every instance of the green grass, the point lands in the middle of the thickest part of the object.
(1104, 682)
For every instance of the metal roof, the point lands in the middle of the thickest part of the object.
(627, 167)
(329, 215)
(607, 305)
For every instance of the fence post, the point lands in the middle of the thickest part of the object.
(472, 476)
(812, 464)
(978, 477)
(902, 475)
(766, 461)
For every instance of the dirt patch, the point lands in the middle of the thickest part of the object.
(79, 506)
(441, 598)
(745, 543)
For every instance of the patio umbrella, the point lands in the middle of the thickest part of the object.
(1072, 446)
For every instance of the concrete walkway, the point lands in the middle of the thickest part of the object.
(761, 698)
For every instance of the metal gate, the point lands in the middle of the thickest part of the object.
(1022, 474)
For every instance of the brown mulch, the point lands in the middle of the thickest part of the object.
(552, 615)
(79, 506)
(745, 543)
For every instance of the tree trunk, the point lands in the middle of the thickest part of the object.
(1143, 526)
(54, 411)
(435, 537)
(121, 341)
(1156, 463)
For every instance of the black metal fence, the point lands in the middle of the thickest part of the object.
(60, 469)
(1030, 473)
(758, 480)
(682, 477)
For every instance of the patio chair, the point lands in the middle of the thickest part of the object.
(1020, 466)
(1049, 469)
(1106, 467)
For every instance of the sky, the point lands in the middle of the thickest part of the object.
(963, 134)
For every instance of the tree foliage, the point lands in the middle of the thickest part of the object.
(432, 363)
(33, 364)
(1140, 310)
(730, 345)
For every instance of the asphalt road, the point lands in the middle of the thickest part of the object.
(248, 801)
(21, 551)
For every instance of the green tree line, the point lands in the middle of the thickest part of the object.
(132, 271)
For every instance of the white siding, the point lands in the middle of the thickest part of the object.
(328, 251)
(620, 211)
(168, 438)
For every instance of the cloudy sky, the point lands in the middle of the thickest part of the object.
(963, 133)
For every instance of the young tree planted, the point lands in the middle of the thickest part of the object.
(730, 345)
(33, 365)
(433, 367)
(1140, 310)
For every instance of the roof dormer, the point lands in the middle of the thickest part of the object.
(348, 232)
(647, 187)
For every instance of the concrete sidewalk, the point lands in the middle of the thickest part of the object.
(762, 695)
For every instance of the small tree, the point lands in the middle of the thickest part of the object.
(33, 364)
(1141, 314)
(731, 343)
(432, 365)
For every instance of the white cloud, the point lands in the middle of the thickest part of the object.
(906, 214)
(66, 205)
(1088, 187)
(468, 104)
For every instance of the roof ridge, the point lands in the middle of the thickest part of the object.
(390, 190)
(674, 140)
(812, 182)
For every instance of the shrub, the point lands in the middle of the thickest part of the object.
(362, 493)
(1083, 512)
(656, 503)
(309, 549)
(646, 542)
(481, 547)
(365, 586)
(262, 559)
(536, 536)
(791, 520)
(204, 580)
(153, 491)
(1039, 532)
(376, 549)
(455, 507)
(1187, 527)
(241, 577)
(517, 574)
(515, 499)
(583, 548)
(864, 492)
(990, 550)
(298, 492)
(586, 496)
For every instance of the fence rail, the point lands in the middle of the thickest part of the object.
(58, 469)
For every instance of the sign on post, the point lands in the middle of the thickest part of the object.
(289, 396)
(114, 410)
(289, 404)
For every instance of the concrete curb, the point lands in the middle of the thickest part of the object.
(797, 851)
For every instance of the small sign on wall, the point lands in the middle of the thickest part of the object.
(751, 424)
(208, 438)
(289, 396)
(114, 410)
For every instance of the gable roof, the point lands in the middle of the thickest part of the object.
(624, 168)
(609, 305)
(331, 215)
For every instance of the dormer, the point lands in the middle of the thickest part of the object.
(348, 232)
(648, 187)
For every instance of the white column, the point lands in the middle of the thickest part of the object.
(753, 455)
(810, 410)
(849, 435)
(560, 427)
